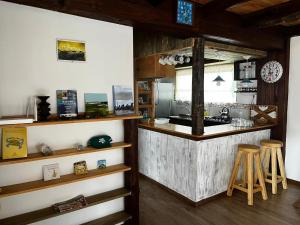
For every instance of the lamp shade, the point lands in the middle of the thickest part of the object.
(218, 79)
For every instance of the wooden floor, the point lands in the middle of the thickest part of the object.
(159, 207)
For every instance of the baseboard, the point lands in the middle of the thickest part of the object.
(293, 181)
(181, 197)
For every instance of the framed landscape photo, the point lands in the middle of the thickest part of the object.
(123, 100)
(68, 50)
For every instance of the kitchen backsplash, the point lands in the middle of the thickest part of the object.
(213, 109)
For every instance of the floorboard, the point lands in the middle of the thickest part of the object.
(159, 207)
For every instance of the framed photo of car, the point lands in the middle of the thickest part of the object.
(14, 143)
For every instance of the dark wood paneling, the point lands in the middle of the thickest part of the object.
(198, 87)
(131, 178)
(277, 93)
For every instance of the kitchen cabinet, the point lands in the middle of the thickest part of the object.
(149, 67)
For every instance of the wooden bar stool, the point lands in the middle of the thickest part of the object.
(272, 149)
(250, 153)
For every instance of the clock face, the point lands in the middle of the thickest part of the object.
(271, 72)
(185, 12)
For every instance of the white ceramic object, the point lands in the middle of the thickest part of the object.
(161, 121)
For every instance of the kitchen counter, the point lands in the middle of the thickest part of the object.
(209, 132)
(194, 166)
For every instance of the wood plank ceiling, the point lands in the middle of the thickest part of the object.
(231, 21)
(282, 15)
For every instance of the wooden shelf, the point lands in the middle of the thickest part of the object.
(145, 106)
(245, 91)
(62, 153)
(145, 92)
(55, 121)
(111, 219)
(65, 179)
(46, 213)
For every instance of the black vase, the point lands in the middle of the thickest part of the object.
(43, 108)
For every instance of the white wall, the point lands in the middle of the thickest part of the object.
(292, 161)
(28, 67)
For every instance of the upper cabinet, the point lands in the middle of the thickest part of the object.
(149, 67)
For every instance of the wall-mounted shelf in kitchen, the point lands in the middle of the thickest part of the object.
(255, 92)
(145, 97)
(145, 106)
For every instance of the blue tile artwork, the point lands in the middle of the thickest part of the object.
(185, 12)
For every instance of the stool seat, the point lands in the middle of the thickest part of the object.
(271, 143)
(248, 148)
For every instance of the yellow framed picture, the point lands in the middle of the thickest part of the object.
(14, 143)
(68, 50)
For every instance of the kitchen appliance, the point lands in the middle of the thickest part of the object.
(225, 114)
(164, 95)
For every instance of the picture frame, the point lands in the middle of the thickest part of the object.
(185, 12)
(80, 168)
(101, 164)
(51, 172)
(239, 73)
(68, 50)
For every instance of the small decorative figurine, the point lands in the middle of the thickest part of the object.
(45, 149)
(43, 108)
(100, 141)
(72, 204)
(79, 147)
(101, 164)
(80, 168)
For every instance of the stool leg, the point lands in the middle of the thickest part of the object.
(267, 161)
(245, 168)
(262, 156)
(261, 177)
(234, 174)
(250, 179)
(274, 171)
(281, 168)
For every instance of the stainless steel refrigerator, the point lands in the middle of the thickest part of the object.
(164, 95)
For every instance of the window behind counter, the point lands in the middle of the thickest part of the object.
(212, 93)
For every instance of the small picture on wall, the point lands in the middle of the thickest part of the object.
(71, 50)
(51, 172)
(101, 164)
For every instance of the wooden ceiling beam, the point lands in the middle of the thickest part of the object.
(141, 15)
(289, 20)
(218, 6)
(272, 13)
(292, 31)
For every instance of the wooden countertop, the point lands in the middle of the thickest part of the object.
(209, 132)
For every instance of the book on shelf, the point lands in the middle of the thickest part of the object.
(14, 143)
(13, 121)
(67, 103)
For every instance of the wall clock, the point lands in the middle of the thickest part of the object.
(184, 12)
(271, 72)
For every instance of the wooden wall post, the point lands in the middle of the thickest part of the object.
(132, 177)
(198, 87)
